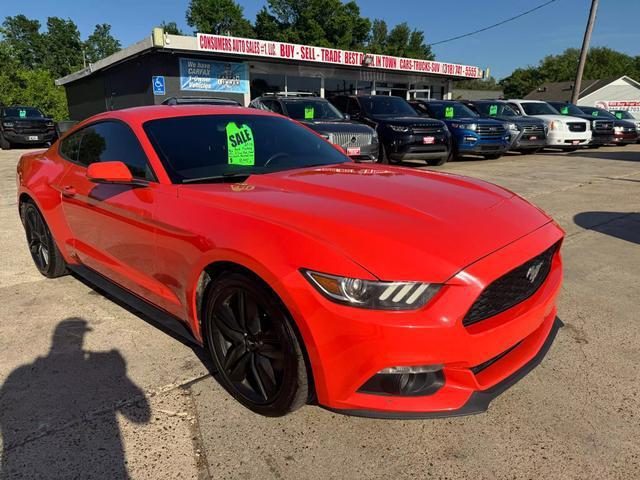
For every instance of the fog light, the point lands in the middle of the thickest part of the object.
(405, 381)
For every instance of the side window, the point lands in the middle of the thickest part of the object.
(353, 107)
(421, 108)
(516, 108)
(340, 103)
(274, 106)
(114, 141)
(70, 145)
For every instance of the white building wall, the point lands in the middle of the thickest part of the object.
(620, 90)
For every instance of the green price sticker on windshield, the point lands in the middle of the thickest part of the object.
(309, 113)
(619, 115)
(240, 145)
(564, 110)
(493, 110)
(594, 113)
(22, 113)
(448, 112)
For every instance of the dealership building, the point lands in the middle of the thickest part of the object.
(163, 66)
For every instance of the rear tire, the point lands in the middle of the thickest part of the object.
(254, 347)
(4, 143)
(436, 162)
(530, 151)
(42, 246)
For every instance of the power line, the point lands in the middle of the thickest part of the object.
(494, 25)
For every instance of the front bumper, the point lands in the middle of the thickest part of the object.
(467, 144)
(412, 147)
(368, 153)
(29, 138)
(525, 142)
(569, 140)
(601, 139)
(624, 138)
(347, 346)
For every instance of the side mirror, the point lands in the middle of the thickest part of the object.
(110, 172)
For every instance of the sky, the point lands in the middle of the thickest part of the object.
(520, 43)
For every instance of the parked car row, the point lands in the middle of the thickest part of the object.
(388, 129)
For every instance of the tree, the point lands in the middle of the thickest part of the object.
(326, 23)
(35, 88)
(64, 47)
(100, 44)
(23, 40)
(221, 17)
(378, 37)
(171, 28)
(601, 63)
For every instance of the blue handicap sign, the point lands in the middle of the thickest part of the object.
(158, 85)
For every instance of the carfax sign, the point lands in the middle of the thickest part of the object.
(209, 76)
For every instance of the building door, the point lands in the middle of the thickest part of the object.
(423, 93)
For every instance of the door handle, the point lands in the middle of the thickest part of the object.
(68, 191)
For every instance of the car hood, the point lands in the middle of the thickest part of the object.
(519, 120)
(397, 223)
(408, 121)
(338, 126)
(564, 118)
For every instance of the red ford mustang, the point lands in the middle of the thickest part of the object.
(372, 290)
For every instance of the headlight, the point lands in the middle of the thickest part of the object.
(512, 126)
(372, 294)
(465, 126)
(619, 129)
(555, 125)
(7, 124)
(50, 124)
(399, 128)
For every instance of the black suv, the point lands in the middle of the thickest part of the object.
(601, 128)
(358, 141)
(404, 135)
(25, 126)
(528, 134)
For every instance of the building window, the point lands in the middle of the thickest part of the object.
(303, 84)
(338, 86)
(262, 83)
(364, 87)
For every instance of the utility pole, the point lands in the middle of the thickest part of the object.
(577, 86)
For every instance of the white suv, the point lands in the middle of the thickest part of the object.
(565, 132)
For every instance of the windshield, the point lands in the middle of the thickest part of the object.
(623, 114)
(597, 112)
(312, 110)
(541, 108)
(495, 109)
(566, 108)
(383, 105)
(194, 148)
(23, 112)
(447, 111)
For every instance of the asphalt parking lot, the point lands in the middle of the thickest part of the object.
(89, 389)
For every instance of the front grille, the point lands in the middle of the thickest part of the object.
(577, 126)
(603, 126)
(31, 130)
(537, 130)
(490, 131)
(346, 139)
(431, 129)
(512, 288)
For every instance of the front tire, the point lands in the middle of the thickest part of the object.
(42, 246)
(492, 157)
(4, 143)
(436, 162)
(253, 345)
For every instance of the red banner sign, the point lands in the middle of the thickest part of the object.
(290, 51)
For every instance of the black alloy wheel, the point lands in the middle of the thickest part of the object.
(254, 347)
(43, 249)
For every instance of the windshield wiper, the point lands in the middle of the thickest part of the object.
(224, 178)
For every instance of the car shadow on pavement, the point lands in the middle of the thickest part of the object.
(602, 153)
(622, 225)
(58, 414)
